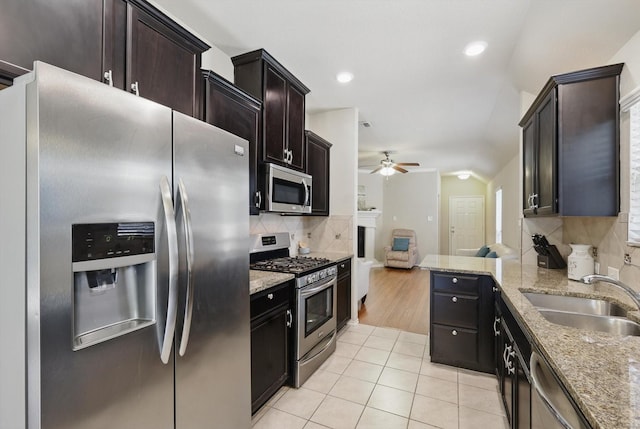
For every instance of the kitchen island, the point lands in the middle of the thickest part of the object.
(600, 371)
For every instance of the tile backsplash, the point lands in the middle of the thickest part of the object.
(608, 234)
(322, 234)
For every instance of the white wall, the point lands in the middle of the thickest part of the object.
(508, 179)
(410, 200)
(373, 184)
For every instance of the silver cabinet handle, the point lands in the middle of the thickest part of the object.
(289, 319)
(504, 354)
(495, 289)
(188, 308)
(258, 199)
(270, 296)
(286, 156)
(455, 280)
(496, 331)
(108, 77)
(533, 201)
(135, 89)
(172, 243)
(454, 332)
(454, 299)
(306, 193)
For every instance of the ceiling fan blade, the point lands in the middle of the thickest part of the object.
(409, 164)
(400, 169)
(377, 169)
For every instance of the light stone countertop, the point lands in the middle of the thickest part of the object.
(261, 280)
(332, 256)
(601, 371)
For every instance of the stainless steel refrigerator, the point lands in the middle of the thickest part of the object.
(125, 271)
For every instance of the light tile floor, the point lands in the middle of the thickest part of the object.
(383, 378)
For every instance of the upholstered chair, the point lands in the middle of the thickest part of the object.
(403, 252)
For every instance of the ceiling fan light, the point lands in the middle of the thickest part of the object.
(387, 171)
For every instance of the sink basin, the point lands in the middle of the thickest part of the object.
(609, 324)
(574, 304)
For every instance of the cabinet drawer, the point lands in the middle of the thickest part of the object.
(344, 268)
(455, 310)
(269, 299)
(454, 345)
(456, 283)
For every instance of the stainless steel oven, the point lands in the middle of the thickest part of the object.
(316, 324)
(315, 300)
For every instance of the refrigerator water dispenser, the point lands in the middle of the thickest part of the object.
(114, 267)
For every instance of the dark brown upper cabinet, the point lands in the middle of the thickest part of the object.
(147, 53)
(317, 163)
(571, 149)
(283, 106)
(230, 108)
(64, 33)
(126, 43)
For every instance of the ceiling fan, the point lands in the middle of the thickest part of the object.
(387, 167)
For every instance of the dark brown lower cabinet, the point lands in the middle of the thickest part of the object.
(343, 293)
(271, 342)
(513, 377)
(462, 315)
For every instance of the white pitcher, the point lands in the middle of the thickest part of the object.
(580, 262)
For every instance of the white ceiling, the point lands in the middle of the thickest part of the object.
(426, 101)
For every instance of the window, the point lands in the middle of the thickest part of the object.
(631, 104)
(499, 215)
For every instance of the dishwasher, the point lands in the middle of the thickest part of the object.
(551, 408)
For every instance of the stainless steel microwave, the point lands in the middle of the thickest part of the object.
(286, 190)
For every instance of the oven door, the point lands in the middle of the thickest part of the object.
(316, 314)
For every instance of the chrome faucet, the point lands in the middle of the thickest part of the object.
(635, 296)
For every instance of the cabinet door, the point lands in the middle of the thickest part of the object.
(275, 110)
(163, 64)
(269, 355)
(295, 127)
(547, 160)
(64, 33)
(343, 304)
(318, 167)
(229, 108)
(529, 147)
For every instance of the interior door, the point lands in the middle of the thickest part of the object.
(466, 223)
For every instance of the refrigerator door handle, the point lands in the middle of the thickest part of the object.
(172, 242)
(188, 309)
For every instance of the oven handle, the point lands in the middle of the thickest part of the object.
(304, 292)
(307, 359)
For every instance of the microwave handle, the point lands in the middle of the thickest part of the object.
(306, 194)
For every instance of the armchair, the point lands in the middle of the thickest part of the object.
(403, 252)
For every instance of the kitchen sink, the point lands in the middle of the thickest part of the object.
(598, 307)
(609, 324)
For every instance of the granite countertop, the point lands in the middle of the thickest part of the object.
(601, 371)
(261, 280)
(332, 256)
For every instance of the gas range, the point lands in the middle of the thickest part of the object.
(315, 299)
(291, 264)
(270, 252)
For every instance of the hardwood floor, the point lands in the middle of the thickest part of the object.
(397, 298)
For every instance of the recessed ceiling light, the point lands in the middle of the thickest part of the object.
(475, 48)
(344, 77)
